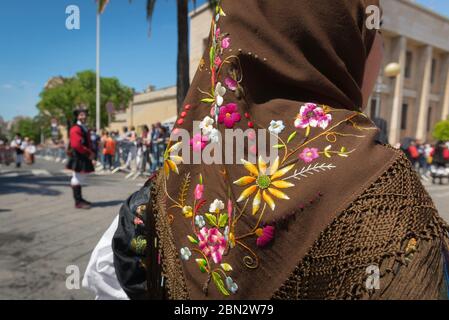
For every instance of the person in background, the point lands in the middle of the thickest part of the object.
(132, 143)
(116, 158)
(109, 151)
(413, 153)
(81, 157)
(146, 142)
(123, 144)
(154, 155)
(162, 144)
(101, 147)
(440, 158)
(95, 143)
(422, 160)
(17, 145)
(30, 151)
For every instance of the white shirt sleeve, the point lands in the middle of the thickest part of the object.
(100, 276)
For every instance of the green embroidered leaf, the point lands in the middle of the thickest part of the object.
(222, 13)
(211, 219)
(343, 150)
(279, 146)
(212, 55)
(201, 178)
(291, 137)
(219, 283)
(223, 220)
(226, 267)
(192, 240)
(202, 264)
(207, 100)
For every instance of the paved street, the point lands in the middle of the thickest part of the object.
(41, 233)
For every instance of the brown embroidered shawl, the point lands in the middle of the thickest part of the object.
(294, 68)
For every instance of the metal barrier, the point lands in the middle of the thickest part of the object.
(6, 155)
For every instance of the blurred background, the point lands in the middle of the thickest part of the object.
(142, 54)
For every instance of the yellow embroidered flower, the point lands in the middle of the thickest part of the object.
(266, 181)
(187, 211)
(171, 162)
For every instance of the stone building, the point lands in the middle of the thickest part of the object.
(411, 103)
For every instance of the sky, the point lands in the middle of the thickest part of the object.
(36, 45)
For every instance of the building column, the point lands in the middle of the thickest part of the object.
(421, 131)
(445, 69)
(400, 47)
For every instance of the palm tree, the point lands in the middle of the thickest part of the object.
(182, 79)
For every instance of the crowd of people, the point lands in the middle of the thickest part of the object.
(139, 150)
(19, 150)
(430, 161)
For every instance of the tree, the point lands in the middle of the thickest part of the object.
(441, 131)
(59, 101)
(183, 73)
(31, 128)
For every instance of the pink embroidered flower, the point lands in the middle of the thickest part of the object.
(199, 189)
(312, 115)
(231, 83)
(309, 154)
(217, 61)
(138, 221)
(228, 115)
(226, 43)
(265, 236)
(217, 33)
(198, 142)
(212, 243)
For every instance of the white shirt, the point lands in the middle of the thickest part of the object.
(100, 276)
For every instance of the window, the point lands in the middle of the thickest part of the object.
(434, 70)
(404, 115)
(429, 119)
(408, 64)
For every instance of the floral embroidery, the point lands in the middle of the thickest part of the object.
(212, 243)
(213, 225)
(228, 115)
(276, 127)
(185, 253)
(199, 142)
(309, 154)
(311, 115)
(266, 183)
(265, 236)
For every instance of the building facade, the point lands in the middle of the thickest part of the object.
(411, 103)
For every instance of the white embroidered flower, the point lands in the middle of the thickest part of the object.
(207, 125)
(220, 91)
(232, 286)
(199, 221)
(185, 253)
(216, 206)
(276, 127)
(214, 136)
